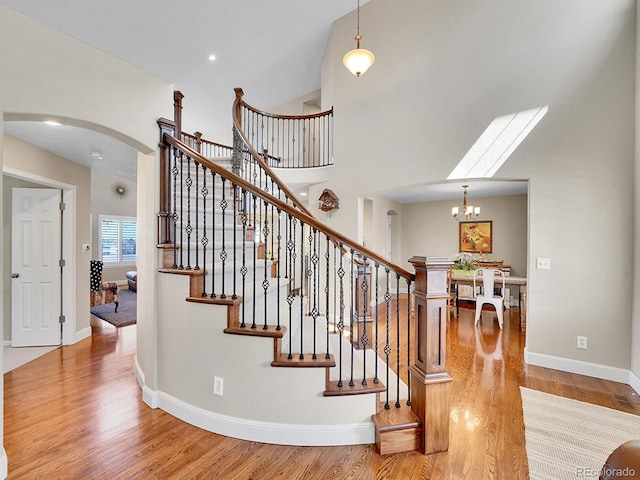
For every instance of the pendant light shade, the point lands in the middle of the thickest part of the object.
(359, 59)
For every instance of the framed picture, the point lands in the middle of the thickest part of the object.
(476, 237)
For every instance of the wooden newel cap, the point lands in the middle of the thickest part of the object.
(431, 263)
(239, 92)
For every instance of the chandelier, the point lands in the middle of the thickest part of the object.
(467, 210)
(359, 59)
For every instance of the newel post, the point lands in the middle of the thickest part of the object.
(177, 113)
(236, 161)
(430, 382)
(164, 231)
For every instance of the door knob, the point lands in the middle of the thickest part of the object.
(15, 275)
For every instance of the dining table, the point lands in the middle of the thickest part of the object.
(465, 277)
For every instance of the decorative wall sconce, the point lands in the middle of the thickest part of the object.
(120, 190)
(328, 201)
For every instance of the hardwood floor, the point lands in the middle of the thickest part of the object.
(77, 413)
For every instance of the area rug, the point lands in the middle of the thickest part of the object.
(126, 310)
(569, 439)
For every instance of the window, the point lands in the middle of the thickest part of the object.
(117, 240)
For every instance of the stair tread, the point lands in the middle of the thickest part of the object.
(333, 390)
(395, 419)
(308, 361)
(259, 331)
(229, 300)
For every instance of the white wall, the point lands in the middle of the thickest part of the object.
(104, 202)
(413, 116)
(429, 230)
(47, 73)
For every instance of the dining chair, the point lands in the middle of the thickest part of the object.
(488, 292)
(499, 264)
(452, 301)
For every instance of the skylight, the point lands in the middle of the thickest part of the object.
(497, 143)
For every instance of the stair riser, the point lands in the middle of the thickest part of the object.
(398, 441)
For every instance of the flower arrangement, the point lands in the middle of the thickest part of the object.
(465, 261)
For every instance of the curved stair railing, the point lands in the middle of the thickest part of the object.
(293, 141)
(249, 244)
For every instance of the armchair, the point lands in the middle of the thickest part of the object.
(101, 292)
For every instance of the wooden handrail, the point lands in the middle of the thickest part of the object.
(237, 104)
(283, 117)
(303, 214)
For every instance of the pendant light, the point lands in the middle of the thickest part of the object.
(359, 59)
(467, 210)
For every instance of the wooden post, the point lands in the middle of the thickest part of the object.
(430, 383)
(236, 162)
(198, 144)
(164, 229)
(177, 113)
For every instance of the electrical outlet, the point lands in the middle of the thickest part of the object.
(543, 263)
(582, 342)
(217, 386)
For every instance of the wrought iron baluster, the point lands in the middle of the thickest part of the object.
(312, 274)
(205, 240)
(243, 269)
(189, 228)
(352, 313)
(377, 323)
(223, 251)
(235, 239)
(265, 281)
(291, 247)
(174, 215)
(341, 273)
(182, 210)
(387, 346)
(365, 300)
(197, 247)
(302, 276)
(213, 234)
(279, 261)
(408, 341)
(326, 291)
(255, 241)
(398, 339)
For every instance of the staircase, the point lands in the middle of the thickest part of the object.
(253, 262)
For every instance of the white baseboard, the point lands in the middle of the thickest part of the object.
(267, 432)
(78, 336)
(4, 464)
(595, 370)
(634, 382)
(255, 431)
(149, 396)
(82, 334)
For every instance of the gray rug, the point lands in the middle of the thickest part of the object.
(569, 439)
(127, 309)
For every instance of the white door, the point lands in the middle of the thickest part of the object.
(35, 267)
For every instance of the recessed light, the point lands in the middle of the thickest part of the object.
(97, 155)
(53, 123)
(303, 194)
(212, 57)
